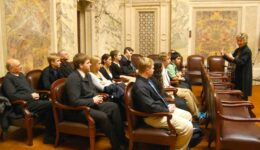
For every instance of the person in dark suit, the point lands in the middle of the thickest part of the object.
(242, 59)
(127, 66)
(80, 91)
(66, 67)
(148, 99)
(115, 67)
(106, 61)
(50, 73)
(16, 87)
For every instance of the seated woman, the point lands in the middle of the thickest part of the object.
(115, 67)
(185, 94)
(115, 90)
(106, 61)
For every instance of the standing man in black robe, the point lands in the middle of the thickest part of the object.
(242, 58)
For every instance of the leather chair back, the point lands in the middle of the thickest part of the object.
(33, 77)
(132, 121)
(193, 68)
(216, 64)
(194, 61)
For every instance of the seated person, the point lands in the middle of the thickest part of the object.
(16, 87)
(148, 99)
(157, 79)
(115, 67)
(80, 91)
(174, 73)
(115, 90)
(106, 61)
(66, 67)
(50, 73)
(127, 66)
(185, 94)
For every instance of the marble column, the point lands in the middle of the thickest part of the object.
(66, 23)
(180, 26)
(108, 26)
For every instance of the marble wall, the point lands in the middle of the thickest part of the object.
(180, 26)
(108, 26)
(27, 31)
(66, 22)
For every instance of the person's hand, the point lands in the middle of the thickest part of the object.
(230, 56)
(35, 96)
(98, 99)
(171, 107)
(222, 52)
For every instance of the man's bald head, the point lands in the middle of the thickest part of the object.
(13, 65)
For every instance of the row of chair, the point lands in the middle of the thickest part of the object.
(192, 68)
(232, 119)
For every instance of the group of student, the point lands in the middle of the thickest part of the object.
(86, 77)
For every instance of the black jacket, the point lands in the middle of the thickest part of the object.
(66, 68)
(17, 87)
(127, 66)
(145, 99)
(243, 71)
(116, 70)
(105, 73)
(48, 76)
(79, 91)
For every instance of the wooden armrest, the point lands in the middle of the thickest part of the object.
(23, 103)
(169, 99)
(19, 102)
(171, 89)
(217, 73)
(229, 92)
(44, 91)
(158, 114)
(66, 107)
(236, 102)
(237, 119)
(175, 82)
(239, 105)
(121, 80)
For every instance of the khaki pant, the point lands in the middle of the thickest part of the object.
(181, 121)
(190, 99)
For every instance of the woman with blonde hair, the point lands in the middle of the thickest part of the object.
(242, 60)
(115, 90)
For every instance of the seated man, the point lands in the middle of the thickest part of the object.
(175, 74)
(125, 62)
(66, 67)
(16, 87)
(80, 91)
(50, 73)
(186, 94)
(148, 99)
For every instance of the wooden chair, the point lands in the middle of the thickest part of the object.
(25, 120)
(216, 64)
(140, 132)
(193, 68)
(235, 131)
(69, 127)
(33, 77)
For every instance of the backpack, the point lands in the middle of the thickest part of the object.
(197, 135)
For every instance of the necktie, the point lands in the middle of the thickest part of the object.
(153, 87)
